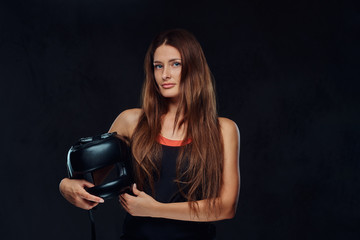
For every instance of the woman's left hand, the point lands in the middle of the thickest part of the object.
(141, 204)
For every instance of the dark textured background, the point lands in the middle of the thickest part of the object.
(287, 72)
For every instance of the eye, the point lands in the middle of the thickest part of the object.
(158, 66)
(176, 64)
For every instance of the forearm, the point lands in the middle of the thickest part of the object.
(143, 205)
(182, 211)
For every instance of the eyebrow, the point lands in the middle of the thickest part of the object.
(171, 60)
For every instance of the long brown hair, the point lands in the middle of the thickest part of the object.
(200, 164)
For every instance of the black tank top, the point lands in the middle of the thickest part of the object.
(166, 191)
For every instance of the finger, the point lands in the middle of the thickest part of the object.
(135, 190)
(87, 196)
(121, 196)
(126, 196)
(87, 184)
(87, 205)
(122, 201)
(124, 205)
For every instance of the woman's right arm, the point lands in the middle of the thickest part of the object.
(73, 190)
(126, 122)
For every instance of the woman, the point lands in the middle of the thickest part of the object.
(185, 156)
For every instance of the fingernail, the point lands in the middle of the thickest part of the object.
(101, 200)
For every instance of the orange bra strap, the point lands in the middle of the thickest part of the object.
(172, 143)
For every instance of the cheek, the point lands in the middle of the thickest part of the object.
(158, 78)
(178, 75)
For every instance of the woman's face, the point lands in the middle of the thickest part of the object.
(167, 70)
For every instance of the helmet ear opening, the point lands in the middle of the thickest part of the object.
(104, 174)
(88, 177)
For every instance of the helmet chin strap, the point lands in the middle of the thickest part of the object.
(94, 159)
(92, 222)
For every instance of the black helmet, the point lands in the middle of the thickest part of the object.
(105, 160)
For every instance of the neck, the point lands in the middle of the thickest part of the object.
(168, 120)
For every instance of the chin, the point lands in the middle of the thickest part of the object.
(170, 95)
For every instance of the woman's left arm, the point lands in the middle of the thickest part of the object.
(144, 205)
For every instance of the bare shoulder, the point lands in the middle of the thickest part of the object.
(231, 141)
(131, 115)
(228, 127)
(126, 122)
(230, 135)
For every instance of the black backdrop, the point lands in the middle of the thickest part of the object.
(286, 72)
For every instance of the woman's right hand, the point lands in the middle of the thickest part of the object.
(74, 191)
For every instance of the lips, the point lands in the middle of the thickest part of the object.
(168, 85)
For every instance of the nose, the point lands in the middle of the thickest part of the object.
(166, 73)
